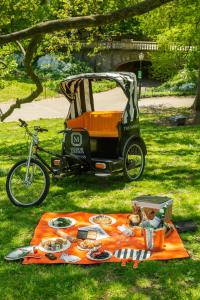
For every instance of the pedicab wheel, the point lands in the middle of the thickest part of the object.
(27, 188)
(134, 161)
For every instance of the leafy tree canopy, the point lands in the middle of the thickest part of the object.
(67, 19)
(178, 24)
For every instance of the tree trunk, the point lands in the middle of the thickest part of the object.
(31, 50)
(196, 104)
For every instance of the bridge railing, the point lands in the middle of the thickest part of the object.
(124, 44)
(134, 45)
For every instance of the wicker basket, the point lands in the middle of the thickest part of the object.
(151, 204)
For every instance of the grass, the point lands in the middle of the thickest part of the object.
(172, 168)
(17, 89)
(103, 85)
(152, 92)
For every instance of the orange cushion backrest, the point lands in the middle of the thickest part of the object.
(76, 123)
(100, 124)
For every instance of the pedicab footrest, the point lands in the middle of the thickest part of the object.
(105, 167)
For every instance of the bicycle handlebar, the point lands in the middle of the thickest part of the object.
(23, 123)
(36, 128)
(72, 129)
(40, 129)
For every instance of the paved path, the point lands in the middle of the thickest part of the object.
(110, 100)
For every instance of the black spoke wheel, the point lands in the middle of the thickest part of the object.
(134, 161)
(27, 186)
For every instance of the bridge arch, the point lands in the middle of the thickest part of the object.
(134, 66)
(120, 55)
(115, 59)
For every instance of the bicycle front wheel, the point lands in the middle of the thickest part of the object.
(27, 186)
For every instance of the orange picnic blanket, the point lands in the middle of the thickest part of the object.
(173, 247)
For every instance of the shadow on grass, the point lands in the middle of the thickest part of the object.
(172, 166)
(162, 280)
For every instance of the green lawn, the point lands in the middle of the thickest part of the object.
(17, 89)
(172, 168)
(151, 92)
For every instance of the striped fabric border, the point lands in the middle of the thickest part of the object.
(134, 254)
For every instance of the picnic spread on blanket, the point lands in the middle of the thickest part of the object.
(88, 238)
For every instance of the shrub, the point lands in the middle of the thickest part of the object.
(184, 81)
(3, 84)
(51, 67)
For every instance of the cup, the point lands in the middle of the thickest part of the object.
(154, 239)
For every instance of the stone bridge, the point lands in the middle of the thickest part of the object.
(121, 55)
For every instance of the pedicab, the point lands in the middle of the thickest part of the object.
(101, 143)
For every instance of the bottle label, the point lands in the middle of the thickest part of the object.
(155, 222)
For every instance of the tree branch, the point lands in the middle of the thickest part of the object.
(196, 104)
(21, 47)
(83, 22)
(31, 49)
(35, 32)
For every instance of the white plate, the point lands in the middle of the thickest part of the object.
(83, 249)
(70, 258)
(66, 246)
(50, 222)
(93, 222)
(94, 259)
(19, 253)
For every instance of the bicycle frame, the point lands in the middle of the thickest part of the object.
(42, 159)
(33, 152)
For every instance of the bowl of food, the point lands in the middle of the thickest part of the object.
(61, 222)
(101, 256)
(54, 245)
(102, 220)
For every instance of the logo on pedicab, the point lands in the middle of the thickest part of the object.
(76, 139)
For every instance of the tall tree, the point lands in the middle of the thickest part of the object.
(178, 24)
(76, 19)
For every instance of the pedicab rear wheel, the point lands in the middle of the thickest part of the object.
(30, 191)
(134, 161)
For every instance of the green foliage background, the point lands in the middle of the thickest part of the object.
(177, 24)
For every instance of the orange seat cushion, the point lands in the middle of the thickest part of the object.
(98, 124)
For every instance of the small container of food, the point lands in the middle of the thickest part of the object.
(86, 234)
(134, 219)
(89, 245)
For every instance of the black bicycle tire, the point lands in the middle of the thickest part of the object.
(44, 194)
(131, 143)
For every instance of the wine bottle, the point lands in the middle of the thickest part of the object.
(158, 220)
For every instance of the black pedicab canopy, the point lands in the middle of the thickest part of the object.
(78, 91)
